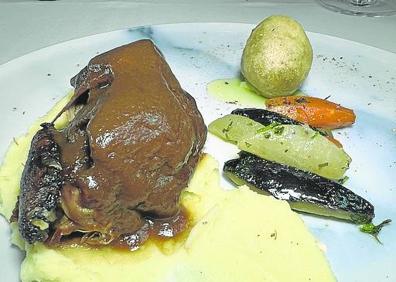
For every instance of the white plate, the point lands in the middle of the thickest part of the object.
(355, 75)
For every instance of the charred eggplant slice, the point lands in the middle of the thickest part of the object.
(266, 117)
(41, 183)
(305, 191)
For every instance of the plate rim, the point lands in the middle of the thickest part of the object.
(33, 56)
(21, 59)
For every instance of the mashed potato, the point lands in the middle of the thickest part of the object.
(236, 236)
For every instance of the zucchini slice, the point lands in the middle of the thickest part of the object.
(294, 145)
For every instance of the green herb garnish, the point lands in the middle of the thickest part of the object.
(373, 229)
(316, 134)
(279, 130)
(226, 130)
(323, 165)
(343, 180)
(263, 129)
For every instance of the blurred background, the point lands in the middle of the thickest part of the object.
(26, 26)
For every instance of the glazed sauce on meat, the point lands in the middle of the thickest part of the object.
(157, 231)
(126, 155)
(160, 232)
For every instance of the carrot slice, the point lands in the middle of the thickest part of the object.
(313, 111)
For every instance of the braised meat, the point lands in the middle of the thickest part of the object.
(124, 158)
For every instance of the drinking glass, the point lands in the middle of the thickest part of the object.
(371, 8)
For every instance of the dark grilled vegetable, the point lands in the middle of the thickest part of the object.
(40, 186)
(266, 117)
(305, 191)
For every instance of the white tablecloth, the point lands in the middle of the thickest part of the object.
(26, 26)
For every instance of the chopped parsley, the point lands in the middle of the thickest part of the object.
(267, 135)
(279, 130)
(301, 100)
(343, 180)
(323, 165)
(263, 129)
(315, 134)
(226, 130)
(274, 235)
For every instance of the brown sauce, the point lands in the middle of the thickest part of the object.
(123, 159)
(130, 149)
(158, 231)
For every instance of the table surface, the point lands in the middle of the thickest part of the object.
(26, 26)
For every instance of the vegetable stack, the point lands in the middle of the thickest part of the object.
(289, 152)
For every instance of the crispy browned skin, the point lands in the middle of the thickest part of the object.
(132, 146)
